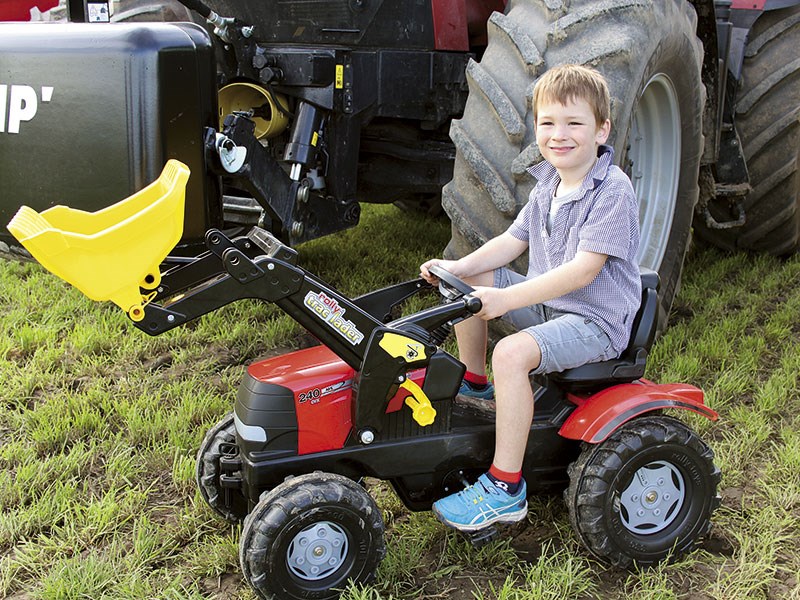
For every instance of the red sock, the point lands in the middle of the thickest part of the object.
(510, 482)
(506, 476)
(475, 379)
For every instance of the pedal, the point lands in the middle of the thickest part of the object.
(483, 537)
(489, 534)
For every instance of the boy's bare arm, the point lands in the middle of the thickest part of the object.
(570, 276)
(497, 252)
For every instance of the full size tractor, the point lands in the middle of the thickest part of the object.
(377, 398)
(291, 113)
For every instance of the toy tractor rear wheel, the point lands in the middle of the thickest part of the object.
(220, 441)
(310, 535)
(645, 494)
(652, 60)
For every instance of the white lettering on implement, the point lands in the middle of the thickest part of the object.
(3, 102)
(21, 104)
(328, 309)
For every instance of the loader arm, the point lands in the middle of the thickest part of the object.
(114, 254)
(259, 266)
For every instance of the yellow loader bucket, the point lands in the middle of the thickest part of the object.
(111, 253)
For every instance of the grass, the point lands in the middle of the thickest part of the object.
(99, 425)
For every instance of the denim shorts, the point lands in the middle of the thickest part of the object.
(567, 340)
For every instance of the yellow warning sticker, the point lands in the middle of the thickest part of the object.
(339, 77)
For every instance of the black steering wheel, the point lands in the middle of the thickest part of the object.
(453, 288)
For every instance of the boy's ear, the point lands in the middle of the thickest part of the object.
(603, 132)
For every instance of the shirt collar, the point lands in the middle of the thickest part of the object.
(547, 176)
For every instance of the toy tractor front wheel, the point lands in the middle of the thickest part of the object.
(310, 535)
(645, 494)
(220, 441)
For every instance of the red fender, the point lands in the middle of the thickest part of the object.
(20, 10)
(461, 24)
(600, 414)
(748, 4)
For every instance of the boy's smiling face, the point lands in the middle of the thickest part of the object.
(568, 136)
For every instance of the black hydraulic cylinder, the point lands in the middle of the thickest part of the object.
(302, 149)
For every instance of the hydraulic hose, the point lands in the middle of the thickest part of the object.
(197, 6)
(222, 25)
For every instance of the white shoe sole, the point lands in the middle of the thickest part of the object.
(506, 518)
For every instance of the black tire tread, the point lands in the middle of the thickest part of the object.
(768, 123)
(208, 455)
(510, 119)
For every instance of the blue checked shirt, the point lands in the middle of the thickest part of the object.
(604, 218)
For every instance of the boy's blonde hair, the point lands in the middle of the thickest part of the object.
(570, 83)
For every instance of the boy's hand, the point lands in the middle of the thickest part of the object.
(447, 265)
(496, 302)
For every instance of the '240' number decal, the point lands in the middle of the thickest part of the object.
(310, 395)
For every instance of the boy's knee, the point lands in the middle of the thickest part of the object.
(517, 352)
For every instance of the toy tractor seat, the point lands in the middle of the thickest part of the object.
(631, 364)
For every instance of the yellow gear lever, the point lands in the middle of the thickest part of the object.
(421, 409)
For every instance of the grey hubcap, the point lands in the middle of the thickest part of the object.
(317, 551)
(653, 499)
(654, 156)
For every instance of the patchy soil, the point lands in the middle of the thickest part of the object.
(227, 586)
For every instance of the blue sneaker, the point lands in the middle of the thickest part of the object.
(485, 394)
(480, 505)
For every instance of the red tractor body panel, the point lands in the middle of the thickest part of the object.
(322, 384)
(459, 25)
(20, 10)
(449, 25)
(748, 4)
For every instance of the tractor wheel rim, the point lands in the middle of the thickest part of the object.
(317, 551)
(653, 499)
(654, 156)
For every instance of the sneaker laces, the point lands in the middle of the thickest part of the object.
(473, 495)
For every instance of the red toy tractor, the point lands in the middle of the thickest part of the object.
(378, 398)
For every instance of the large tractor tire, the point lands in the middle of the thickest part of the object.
(651, 57)
(768, 122)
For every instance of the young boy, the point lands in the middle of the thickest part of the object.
(578, 300)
